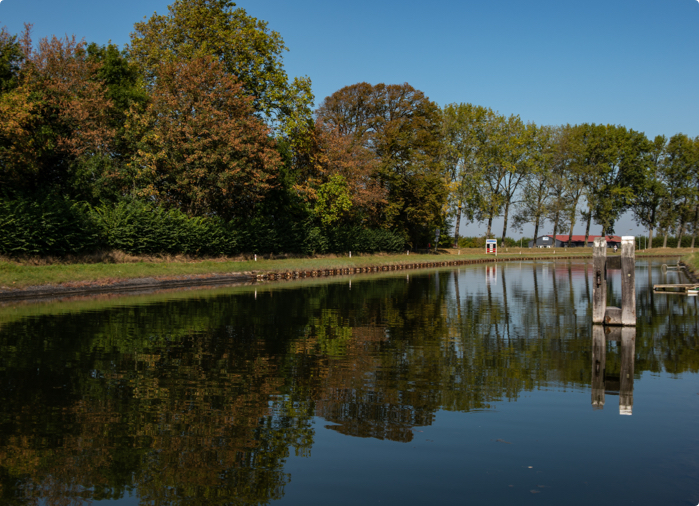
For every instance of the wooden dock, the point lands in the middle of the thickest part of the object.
(677, 289)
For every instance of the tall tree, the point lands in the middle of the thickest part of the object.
(680, 179)
(460, 130)
(614, 158)
(245, 47)
(200, 147)
(55, 117)
(536, 194)
(401, 126)
(647, 204)
(578, 173)
(516, 147)
(502, 148)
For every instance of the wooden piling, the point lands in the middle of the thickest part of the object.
(628, 281)
(599, 284)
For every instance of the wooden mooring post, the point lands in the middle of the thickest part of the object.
(599, 284)
(626, 314)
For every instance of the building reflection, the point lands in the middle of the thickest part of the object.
(606, 382)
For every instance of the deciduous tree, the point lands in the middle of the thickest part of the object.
(401, 126)
(201, 149)
(56, 116)
(326, 154)
(461, 126)
(680, 179)
(244, 46)
(647, 204)
(533, 206)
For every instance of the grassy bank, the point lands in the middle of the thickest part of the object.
(114, 267)
(692, 260)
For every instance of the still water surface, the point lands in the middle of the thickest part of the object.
(459, 386)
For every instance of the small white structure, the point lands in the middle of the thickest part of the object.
(491, 246)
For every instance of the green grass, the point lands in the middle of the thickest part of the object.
(17, 275)
(692, 261)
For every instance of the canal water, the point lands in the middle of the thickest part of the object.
(476, 385)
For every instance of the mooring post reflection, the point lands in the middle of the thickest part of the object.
(599, 356)
(628, 355)
(606, 383)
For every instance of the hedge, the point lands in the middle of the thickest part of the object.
(55, 226)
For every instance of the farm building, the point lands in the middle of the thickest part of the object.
(578, 241)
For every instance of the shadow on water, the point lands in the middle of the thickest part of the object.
(203, 399)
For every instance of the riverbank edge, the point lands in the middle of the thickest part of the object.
(208, 280)
(691, 265)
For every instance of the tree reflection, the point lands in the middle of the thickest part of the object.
(202, 400)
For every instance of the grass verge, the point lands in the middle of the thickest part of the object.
(113, 267)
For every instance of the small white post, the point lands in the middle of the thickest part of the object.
(255, 258)
(350, 254)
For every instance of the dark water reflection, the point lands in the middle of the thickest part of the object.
(396, 389)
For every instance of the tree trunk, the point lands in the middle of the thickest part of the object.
(536, 231)
(570, 232)
(555, 228)
(458, 225)
(572, 223)
(490, 225)
(649, 244)
(504, 225)
(694, 226)
(679, 239)
(665, 239)
(587, 228)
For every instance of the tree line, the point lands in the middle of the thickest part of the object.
(197, 119)
(500, 166)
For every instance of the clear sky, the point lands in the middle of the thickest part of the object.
(632, 63)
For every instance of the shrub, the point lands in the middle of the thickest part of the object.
(57, 227)
(46, 226)
(671, 241)
(141, 228)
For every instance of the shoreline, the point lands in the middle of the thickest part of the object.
(344, 266)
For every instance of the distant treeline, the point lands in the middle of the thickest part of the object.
(194, 140)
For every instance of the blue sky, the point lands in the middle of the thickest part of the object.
(631, 63)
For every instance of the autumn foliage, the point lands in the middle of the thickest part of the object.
(200, 146)
(193, 127)
(56, 115)
(332, 158)
(399, 126)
